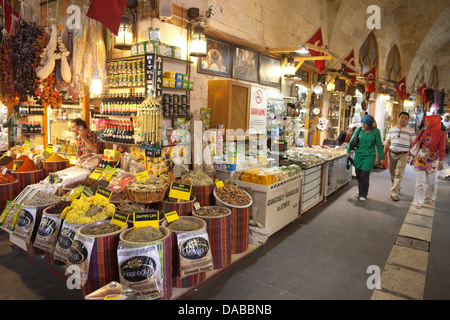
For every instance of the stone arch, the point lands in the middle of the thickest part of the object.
(394, 65)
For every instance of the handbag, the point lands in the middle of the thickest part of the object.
(414, 150)
(354, 143)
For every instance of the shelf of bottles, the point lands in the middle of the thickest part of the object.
(118, 132)
(126, 73)
(120, 104)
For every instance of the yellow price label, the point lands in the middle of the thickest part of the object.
(97, 173)
(172, 216)
(120, 219)
(49, 148)
(145, 219)
(142, 176)
(180, 191)
(219, 183)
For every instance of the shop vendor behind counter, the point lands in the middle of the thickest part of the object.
(87, 142)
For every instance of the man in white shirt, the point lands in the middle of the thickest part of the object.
(398, 143)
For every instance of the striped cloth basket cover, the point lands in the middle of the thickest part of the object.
(220, 232)
(240, 217)
(204, 194)
(27, 178)
(103, 266)
(166, 242)
(54, 166)
(182, 208)
(8, 191)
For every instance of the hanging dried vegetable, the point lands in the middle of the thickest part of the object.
(24, 57)
(7, 87)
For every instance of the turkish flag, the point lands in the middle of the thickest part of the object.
(401, 89)
(371, 78)
(351, 59)
(317, 41)
(108, 12)
(9, 12)
(422, 91)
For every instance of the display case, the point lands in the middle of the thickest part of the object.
(336, 112)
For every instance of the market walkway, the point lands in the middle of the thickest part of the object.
(328, 254)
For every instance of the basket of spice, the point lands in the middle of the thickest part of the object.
(147, 236)
(183, 208)
(48, 231)
(240, 203)
(30, 217)
(54, 163)
(191, 252)
(147, 192)
(9, 189)
(202, 186)
(94, 250)
(219, 224)
(28, 173)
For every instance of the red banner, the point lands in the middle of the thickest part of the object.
(422, 91)
(108, 12)
(9, 12)
(401, 89)
(351, 59)
(317, 41)
(371, 78)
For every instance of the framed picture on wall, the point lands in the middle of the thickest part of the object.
(245, 64)
(218, 59)
(269, 70)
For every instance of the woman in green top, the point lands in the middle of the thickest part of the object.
(365, 155)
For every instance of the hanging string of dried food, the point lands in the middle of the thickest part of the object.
(149, 123)
(7, 88)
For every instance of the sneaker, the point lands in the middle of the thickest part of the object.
(362, 199)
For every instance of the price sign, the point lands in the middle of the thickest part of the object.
(180, 191)
(172, 216)
(104, 192)
(120, 218)
(49, 148)
(145, 219)
(86, 193)
(142, 176)
(219, 183)
(97, 173)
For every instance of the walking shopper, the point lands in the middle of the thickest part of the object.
(397, 145)
(429, 159)
(365, 155)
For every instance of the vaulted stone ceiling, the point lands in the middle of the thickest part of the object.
(422, 32)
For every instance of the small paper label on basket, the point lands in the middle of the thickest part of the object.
(86, 193)
(180, 191)
(104, 192)
(145, 219)
(4, 171)
(172, 216)
(219, 183)
(142, 176)
(197, 206)
(96, 174)
(120, 218)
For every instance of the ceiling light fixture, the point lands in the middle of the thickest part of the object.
(302, 49)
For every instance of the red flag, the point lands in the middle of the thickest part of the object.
(9, 11)
(107, 12)
(401, 89)
(351, 59)
(371, 78)
(422, 91)
(317, 41)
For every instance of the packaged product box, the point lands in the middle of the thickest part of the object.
(161, 49)
(206, 124)
(170, 75)
(179, 77)
(166, 82)
(154, 34)
(169, 52)
(176, 52)
(150, 46)
(185, 85)
(134, 49)
(178, 84)
(113, 155)
(172, 83)
(185, 77)
(190, 85)
(141, 48)
(205, 113)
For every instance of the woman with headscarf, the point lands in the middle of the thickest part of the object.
(365, 155)
(429, 159)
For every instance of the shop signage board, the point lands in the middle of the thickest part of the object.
(158, 74)
(258, 110)
(149, 72)
(275, 205)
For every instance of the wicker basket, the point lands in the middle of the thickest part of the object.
(148, 196)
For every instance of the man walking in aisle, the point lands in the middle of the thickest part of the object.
(397, 145)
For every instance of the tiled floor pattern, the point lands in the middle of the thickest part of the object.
(404, 275)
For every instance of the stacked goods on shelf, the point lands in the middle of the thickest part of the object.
(177, 80)
(176, 105)
(268, 176)
(155, 45)
(126, 73)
